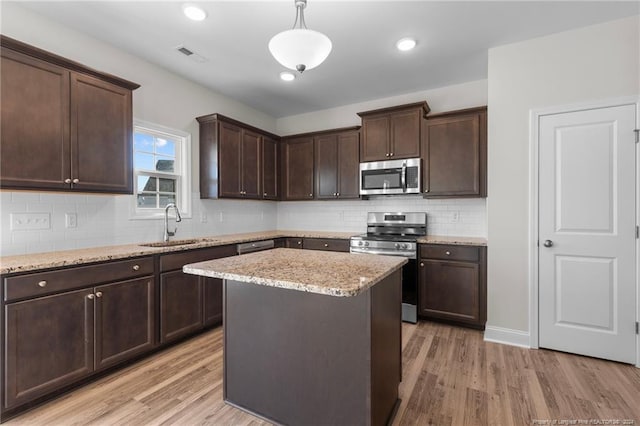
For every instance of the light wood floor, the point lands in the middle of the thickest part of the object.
(451, 377)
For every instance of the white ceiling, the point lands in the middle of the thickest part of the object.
(453, 38)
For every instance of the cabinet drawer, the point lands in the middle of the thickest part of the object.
(42, 283)
(450, 252)
(294, 243)
(329, 244)
(170, 262)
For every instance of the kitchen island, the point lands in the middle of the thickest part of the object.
(311, 337)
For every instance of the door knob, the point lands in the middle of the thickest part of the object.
(548, 243)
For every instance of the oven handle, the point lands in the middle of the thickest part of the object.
(382, 252)
(403, 176)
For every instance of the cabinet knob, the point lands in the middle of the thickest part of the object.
(448, 253)
(76, 180)
(42, 284)
(299, 243)
(326, 245)
(337, 194)
(98, 294)
(136, 267)
(426, 191)
(310, 195)
(264, 194)
(421, 264)
(387, 154)
(67, 180)
(391, 154)
(90, 296)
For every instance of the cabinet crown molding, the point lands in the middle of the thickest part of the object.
(424, 105)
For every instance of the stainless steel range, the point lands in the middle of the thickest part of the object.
(396, 234)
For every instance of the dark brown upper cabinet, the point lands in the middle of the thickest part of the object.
(64, 126)
(298, 168)
(236, 160)
(270, 168)
(454, 154)
(392, 133)
(337, 164)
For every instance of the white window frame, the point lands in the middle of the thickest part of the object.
(183, 165)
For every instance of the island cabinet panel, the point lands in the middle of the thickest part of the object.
(337, 165)
(392, 133)
(64, 126)
(298, 164)
(452, 284)
(327, 244)
(55, 340)
(270, 168)
(237, 160)
(322, 360)
(455, 154)
(187, 302)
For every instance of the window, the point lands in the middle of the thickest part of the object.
(161, 164)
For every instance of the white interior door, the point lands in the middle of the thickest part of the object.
(587, 232)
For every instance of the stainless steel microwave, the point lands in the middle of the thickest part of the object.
(390, 177)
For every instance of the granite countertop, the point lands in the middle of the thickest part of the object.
(57, 259)
(321, 272)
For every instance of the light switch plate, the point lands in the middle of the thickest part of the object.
(455, 217)
(30, 221)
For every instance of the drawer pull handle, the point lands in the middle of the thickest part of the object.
(42, 284)
(136, 267)
(448, 253)
(90, 296)
(99, 294)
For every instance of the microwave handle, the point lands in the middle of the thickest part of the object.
(403, 177)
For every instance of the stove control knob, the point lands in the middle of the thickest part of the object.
(403, 246)
(360, 243)
(397, 245)
(366, 244)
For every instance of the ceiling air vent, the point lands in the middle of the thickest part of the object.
(191, 54)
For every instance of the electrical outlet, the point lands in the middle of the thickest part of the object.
(30, 221)
(221, 217)
(454, 217)
(203, 217)
(71, 220)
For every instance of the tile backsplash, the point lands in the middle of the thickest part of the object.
(70, 221)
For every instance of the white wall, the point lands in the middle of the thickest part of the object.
(591, 63)
(163, 98)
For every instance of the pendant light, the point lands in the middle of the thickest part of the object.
(300, 48)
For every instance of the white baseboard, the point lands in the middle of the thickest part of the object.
(506, 336)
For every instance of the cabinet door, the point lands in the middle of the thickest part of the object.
(326, 165)
(270, 169)
(101, 136)
(349, 165)
(375, 138)
(48, 344)
(212, 299)
(180, 305)
(450, 290)
(124, 321)
(34, 145)
(405, 134)
(230, 152)
(455, 156)
(208, 158)
(298, 169)
(250, 168)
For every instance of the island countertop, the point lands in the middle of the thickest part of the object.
(321, 272)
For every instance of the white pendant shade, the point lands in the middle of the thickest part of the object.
(300, 49)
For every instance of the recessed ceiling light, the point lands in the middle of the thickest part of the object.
(193, 12)
(406, 43)
(287, 76)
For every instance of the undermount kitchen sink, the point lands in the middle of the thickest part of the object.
(171, 243)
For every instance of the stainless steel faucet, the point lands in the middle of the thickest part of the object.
(167, 233)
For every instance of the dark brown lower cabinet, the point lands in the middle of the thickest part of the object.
(452, 284)
(56, 340)
(181, 301)
(189, 302)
